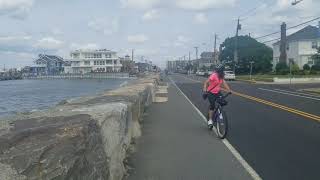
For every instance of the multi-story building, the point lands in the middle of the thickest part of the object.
(300, 46)
(47, 65)
(86, 61)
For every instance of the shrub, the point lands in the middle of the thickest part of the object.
(295, 69)
(282, 68)
(306, 67)
(315, 67)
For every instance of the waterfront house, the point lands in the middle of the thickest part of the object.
(87, 61)
(47, 65)
(300, 46)
(128, 65)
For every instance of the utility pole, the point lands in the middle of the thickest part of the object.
(215, 49)
(283, 44)
(189, 72)
(132, 55)
(251, 62)
(196, 52)
(235, 59)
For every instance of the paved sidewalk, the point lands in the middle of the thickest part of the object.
(176, 144)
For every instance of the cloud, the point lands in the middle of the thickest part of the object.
(181, 41)
(17, 43)
(49, 43)
(204, 4)
(105, 25)
(18, 9)
(91, 46)
(140, 4)
(276, 13)
(56, 31)
(16, 59)
(200, 18)
(138, 38)
(151, 15)
(14, 39)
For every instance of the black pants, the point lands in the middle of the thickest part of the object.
(212, 100)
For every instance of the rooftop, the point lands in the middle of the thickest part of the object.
(307, 33)
(93, 50)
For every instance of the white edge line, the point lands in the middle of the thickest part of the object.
(290, 94)
(235, 153)
(299, 93)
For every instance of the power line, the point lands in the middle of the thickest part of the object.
(268, 35)
(277, 39)
(303, 23)
(288, 28)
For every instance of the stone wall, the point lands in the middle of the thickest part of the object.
(86, 138)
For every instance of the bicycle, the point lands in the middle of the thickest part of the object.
(220, 120)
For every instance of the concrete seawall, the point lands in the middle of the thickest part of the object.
(86, 138)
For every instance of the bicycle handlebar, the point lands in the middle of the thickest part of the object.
(226, 95)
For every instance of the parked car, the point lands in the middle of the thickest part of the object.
(200, 73)
(229, 75)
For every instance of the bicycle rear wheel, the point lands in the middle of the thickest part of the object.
(222, 123)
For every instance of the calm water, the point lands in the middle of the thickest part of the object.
(30, 95)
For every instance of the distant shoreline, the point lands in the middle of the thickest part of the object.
(82, 76)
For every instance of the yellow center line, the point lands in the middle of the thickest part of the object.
(294, 111)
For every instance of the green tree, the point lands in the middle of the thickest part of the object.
(249, 49)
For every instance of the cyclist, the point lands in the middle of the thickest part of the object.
(212, 88)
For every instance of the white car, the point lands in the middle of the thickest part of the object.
(229, 75)
(200, 73)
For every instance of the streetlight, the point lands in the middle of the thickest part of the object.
(295, 2)
(251, 62)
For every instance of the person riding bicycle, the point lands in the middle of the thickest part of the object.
(212, 88)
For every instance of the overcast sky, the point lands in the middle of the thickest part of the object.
(156, 29)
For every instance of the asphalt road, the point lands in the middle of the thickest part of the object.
(177, 145)
(277, 143)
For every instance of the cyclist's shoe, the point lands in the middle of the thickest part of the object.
(210, 123)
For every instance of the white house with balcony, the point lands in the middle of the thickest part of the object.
(300, 46)
(87, 61)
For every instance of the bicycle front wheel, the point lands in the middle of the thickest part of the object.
(222, 124)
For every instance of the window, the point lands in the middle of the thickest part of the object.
(97, 56)
(76, 55)
(108, 55)
(288, 47)
(87, 63)
(109, 61)
(314, 45)
(310, 61)
(95, 63)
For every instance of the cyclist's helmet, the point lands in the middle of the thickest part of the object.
(220, 68)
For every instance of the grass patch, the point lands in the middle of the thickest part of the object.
(269, 77)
